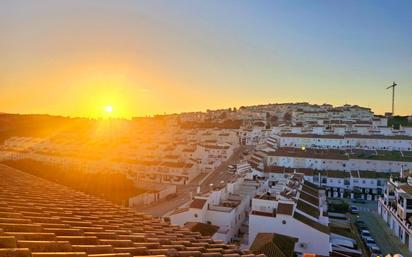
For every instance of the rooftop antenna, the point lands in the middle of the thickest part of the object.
(393, 96)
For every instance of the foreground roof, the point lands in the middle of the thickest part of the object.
(202, 228)
(274, 245)
(38, 216)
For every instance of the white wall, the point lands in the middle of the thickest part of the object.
(315, 241)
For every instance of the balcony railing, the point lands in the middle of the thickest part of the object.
(393, 211)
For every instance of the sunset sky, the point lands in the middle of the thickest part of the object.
(74, 57)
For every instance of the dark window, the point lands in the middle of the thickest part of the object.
(409, 203)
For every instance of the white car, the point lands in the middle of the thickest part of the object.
(365, 234)
(375, 251)
(370, 242)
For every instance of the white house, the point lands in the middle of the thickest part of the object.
(296, 209)
(395, 208)
(226, 207)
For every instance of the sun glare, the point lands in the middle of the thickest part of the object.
(108, 109)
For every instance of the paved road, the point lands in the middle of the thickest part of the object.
(166, 205)
(384, 238)
(184, 192)
(221, 174)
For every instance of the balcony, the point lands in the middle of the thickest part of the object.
(391, 209)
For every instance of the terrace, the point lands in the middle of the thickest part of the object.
(382, 155)
(403, 156)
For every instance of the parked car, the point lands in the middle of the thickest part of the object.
(375, 251)
(361, 225)
(370, 242)
(354, 210)
(365, 234)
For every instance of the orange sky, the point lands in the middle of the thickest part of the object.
(147, 58)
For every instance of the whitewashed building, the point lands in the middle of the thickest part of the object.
(226, 207)
(295, 208)
(383, 161)
(395, 208)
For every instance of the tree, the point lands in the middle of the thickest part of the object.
(259, 124)
(273, 119)
(287, 116)
(398, 121)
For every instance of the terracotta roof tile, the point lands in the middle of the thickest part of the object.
(198, 203)
(285, 208)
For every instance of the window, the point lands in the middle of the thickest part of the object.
(409, 203)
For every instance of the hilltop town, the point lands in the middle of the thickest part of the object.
(257, 177)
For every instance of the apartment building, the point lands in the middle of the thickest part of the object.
(342, 128)
(381, 161)
(296, 208)
(254, 135)
(368, 185)
(395, 208)
(226, 207)
(351, 141)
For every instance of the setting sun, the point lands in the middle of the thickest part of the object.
(108, 109)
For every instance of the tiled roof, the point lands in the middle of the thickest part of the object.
(373, 174)
(309, 153)
(274, 169)
(308, 209)
(316, 225)
(310, 190)
(309, 198)
(176, 164)
(274, 245)
(311, 185)
(282, 169)
(198, 203)
(312, 136)
(41, 216)
(407, 188)
(336, 174)
(285, 208)
(202, 228)
(396, 137)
